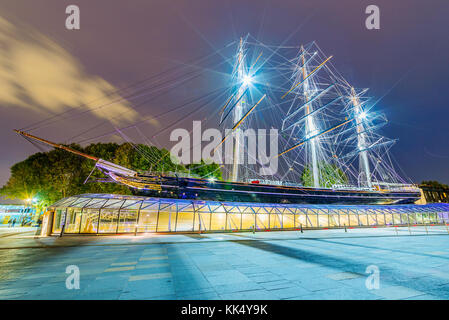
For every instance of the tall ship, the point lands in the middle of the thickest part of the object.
(322, 134)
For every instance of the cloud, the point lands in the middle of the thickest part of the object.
(38, 75)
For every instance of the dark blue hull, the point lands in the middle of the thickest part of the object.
(201, 189)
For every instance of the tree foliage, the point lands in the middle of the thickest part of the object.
(329, 175)
(49, 176)
(435, 184)
(205, 170)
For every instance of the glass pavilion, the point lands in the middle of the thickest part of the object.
(111, 214)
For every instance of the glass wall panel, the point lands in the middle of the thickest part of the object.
(57, 220)
(423, 218)
(323, 220)
(300, 220)
(312, 220)
(419, 219)
(108, 221)
(344, 220)
(396, 219)
(388, 217)
(234, 220)
(204, 218)
(166, 222)
(147, 221)
(333, 220)
(184, 222)
(380, 219)
(113, 204)
(353, 220)
(262, 221)
(372, 219)
(218, 221)
(275, 221)
(132, 204)
(363, 219)
(89, 221)
(404, 218)
(127, 220)
(433, 218)
(412, 218)
(444, 217)
(288, 220)
(440, 217)
(72, 224)
(247, 221)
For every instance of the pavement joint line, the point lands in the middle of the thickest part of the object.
(118, 269)
(128, 263)
(150, 266)
(153, 258)
(150, 276)
(344, 276)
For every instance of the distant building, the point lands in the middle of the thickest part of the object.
(435, 194)
(14, 209)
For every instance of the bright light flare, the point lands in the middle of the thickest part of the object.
(247, 80)
(363, 115)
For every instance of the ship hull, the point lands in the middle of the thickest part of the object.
(201, 189)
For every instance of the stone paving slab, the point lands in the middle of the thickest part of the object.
(321, 264)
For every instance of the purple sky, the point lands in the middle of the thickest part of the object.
(46, 69)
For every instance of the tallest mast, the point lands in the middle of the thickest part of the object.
(238, 113)
(310, 124)
(361, 138)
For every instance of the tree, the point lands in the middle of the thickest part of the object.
(144, 158)
(205, 170)
(329, 175)
(50, 176)
(435, 184)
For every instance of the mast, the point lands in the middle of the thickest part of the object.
(238, 113)
(310, 124)
(361, 137)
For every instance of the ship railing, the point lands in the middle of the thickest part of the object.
(379, 186)
(170, 174)
(397, 186)
(274, 182)
(351, 187)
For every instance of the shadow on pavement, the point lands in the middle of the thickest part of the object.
(392, 276)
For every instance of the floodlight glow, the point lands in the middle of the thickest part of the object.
(363, 115)
(247, 80)
(211, 180)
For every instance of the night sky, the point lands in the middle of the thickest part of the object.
(46, 69)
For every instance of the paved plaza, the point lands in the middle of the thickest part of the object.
(317, 264)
